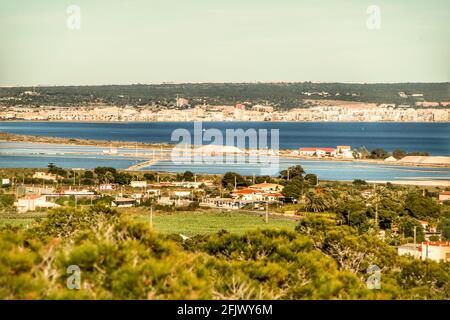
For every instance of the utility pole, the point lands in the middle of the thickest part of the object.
(376, 205)
(151, 217)
(376, 213)
(415, 235)
(267, 212)
(235, 183)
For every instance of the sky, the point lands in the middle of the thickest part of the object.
(154, 41)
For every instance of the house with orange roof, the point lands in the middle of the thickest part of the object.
(250, 194)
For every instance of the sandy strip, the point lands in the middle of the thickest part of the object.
(425, 183)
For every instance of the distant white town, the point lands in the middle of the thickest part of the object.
(318, 110)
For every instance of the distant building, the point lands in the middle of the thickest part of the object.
(267, 187)
(250, 194)
(71, 192)
(181, 102)
(32, 202)
(182, 194)
(6, 182)
(409, 249)
(46, 176)
(138, 184)
(318, 152)
(443, 196)
(165, 201)
(26, 190)
(190, 184)
(367, 194)
(123, 202)
(107, 186)
(437, 251)
(240, 106)
(226, 203)
(344, 152)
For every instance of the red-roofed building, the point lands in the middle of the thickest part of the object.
(443, 196)
(433, 250)
(255, 195)
(437, 251)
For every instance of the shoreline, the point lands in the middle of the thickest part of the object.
(213, 121)
(283, 153)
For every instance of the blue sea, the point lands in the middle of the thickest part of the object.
(425, 137)
(433, 138)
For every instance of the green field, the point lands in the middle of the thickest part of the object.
(193, 223)
(16, 221)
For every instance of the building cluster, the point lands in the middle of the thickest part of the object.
(369, 114)
(183, 193)
(238, 112)
(433, 250)
(340, 152)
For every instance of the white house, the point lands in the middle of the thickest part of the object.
(409, 249)
(344, 152)
(443, 196)
(123, 202)
(182, 194)
(32, 202)
(437, 251)
(248, 195)
(318, 152)
(46, 176)
(138, 184)
(107, 186)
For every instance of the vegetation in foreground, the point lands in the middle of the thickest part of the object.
(121, 258)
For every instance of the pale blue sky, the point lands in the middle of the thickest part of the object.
(152, 41)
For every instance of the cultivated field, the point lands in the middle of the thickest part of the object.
(207, 222)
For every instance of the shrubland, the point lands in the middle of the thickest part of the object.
(121, 258)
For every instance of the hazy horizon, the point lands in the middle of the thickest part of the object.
(199, 41)
(208, 82)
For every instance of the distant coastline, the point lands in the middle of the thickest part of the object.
(218, 120)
